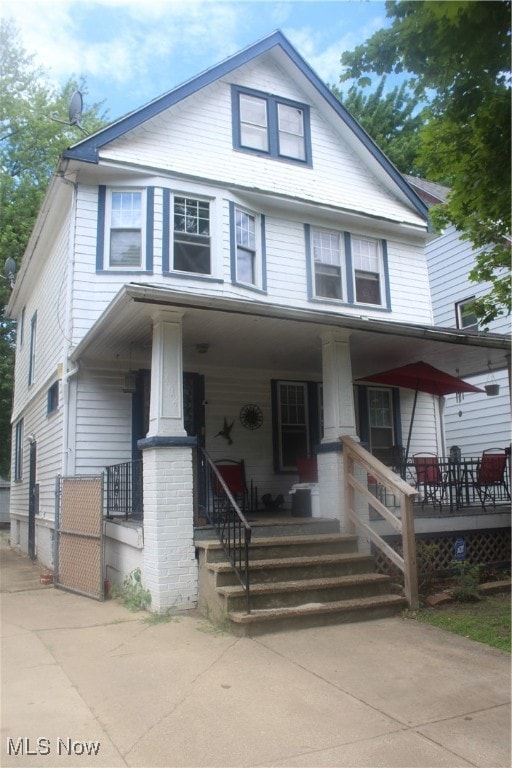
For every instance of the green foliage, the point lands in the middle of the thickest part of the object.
(485, 622)
(467, 582)
(456, 56)
(392, 119)
(426, 556)
(132, 593)
(30, 144)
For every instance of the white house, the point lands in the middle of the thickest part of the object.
(480, 422)
(239, 241)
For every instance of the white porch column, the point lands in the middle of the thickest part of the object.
(169, 563)
(339, 419)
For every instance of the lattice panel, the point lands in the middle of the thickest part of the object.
(79, 531)
(482, 548)
(82, 505)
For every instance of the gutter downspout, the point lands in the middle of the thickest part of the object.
(68, 428)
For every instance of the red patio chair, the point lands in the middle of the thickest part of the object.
(490, 481)
(233, 474)
(430, 478)
(308, 470)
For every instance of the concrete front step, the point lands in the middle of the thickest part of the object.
(296, 568)
(263, 548)
(280, 526)
(265, 621)
(295, 593)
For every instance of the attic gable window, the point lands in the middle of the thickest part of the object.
(270, 125)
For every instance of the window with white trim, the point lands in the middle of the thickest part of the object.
(191, 235)
(268, 124)
(125, 225)
(368, 270)
(465, 314)
(327, 260)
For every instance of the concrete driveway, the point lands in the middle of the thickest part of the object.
(90, 684)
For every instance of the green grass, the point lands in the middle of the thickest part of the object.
(487, 621)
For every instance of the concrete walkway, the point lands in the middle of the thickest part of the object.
(100, 686)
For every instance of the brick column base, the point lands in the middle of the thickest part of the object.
(170, 569)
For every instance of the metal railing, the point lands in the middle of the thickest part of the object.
(124, 490)
(362, 470)
(229, 523)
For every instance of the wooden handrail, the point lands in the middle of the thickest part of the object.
(355, 454)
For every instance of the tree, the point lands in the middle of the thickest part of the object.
(393, 119)
(456, 56)
(30, 144)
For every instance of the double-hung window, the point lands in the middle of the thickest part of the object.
(191, 235)
(247, 247)
(297, 421)
(125, 247)
(268, 124)
(367, 265)
(245, 234)
(327, 258)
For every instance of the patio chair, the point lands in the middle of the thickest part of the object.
(490, 481)
(308, 470)
(233, 474)
(430, 478)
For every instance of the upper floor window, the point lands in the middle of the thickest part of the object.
(53, 398)
(268, 124)
(125, 229)
(367, 265)
(348, 268)
(327, 264)
(247, 247)
(32, 358)
(191, 235)
(465, 315)
(21, 327)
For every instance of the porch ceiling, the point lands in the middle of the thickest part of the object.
(250, 335)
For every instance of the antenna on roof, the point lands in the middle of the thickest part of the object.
(74, 112)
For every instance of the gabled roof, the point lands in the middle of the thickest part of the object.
(87, 150)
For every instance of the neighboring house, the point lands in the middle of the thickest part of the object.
(240, 241)
(480, 421)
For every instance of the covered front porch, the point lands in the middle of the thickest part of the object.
(181, 373)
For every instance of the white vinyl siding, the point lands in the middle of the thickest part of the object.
(338, 177)
(476, 421)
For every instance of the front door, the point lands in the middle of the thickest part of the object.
(33, 500)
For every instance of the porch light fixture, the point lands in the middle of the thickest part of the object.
(130, 383)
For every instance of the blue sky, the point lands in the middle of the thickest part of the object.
(132, 51)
